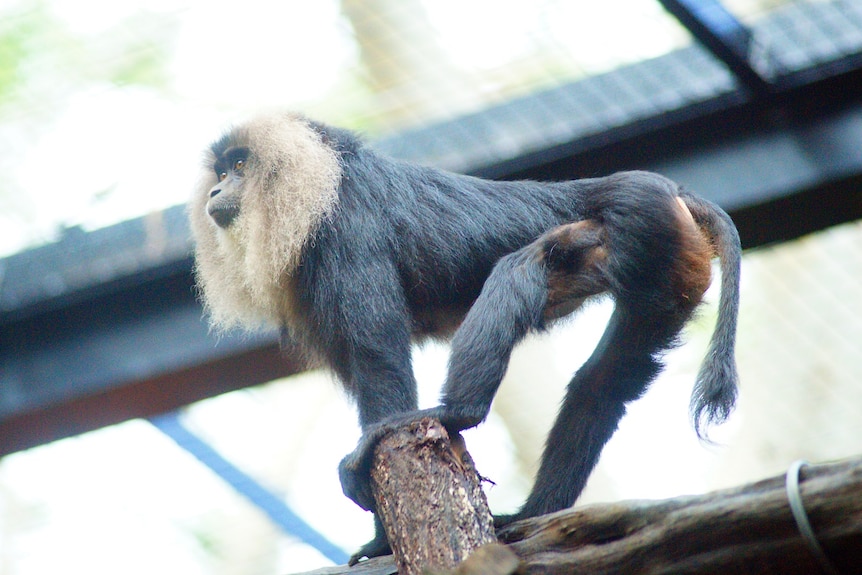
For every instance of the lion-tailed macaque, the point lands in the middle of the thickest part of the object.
(353, 254)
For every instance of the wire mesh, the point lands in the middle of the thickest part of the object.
(800, 34)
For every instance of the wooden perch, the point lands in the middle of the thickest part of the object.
(748, 529)
(429, 498)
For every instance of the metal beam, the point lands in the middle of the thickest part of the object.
(274, 507)
(726, 37)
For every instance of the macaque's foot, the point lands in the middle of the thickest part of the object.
(374, 548)
(501, 521)
(507, 528)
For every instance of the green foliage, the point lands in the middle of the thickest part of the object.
(142, 44)
(41, 60)
(21, 33)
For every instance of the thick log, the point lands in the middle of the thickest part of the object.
(429, 498)
(748, 529)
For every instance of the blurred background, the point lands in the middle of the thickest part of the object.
(133, 440)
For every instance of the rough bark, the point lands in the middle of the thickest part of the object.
(429, 498)
(748, 529)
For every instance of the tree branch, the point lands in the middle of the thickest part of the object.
(748, 529)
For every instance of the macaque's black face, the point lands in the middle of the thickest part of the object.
(225, 197)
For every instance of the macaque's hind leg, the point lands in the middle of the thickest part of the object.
(647, 318)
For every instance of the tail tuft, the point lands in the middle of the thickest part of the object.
(714, 395)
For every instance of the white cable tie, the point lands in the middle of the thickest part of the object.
(798, 508)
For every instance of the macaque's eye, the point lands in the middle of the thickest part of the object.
(238, 165)
(222, 176)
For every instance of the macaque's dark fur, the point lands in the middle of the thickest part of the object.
(399, 251)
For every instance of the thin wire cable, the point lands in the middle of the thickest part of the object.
(798, 508)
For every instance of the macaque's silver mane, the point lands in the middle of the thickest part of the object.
(289, 187)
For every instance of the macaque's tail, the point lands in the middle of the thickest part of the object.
(715, 389)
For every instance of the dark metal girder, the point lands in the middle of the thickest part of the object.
(145, 397)
(139, 351)
(725, 36)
